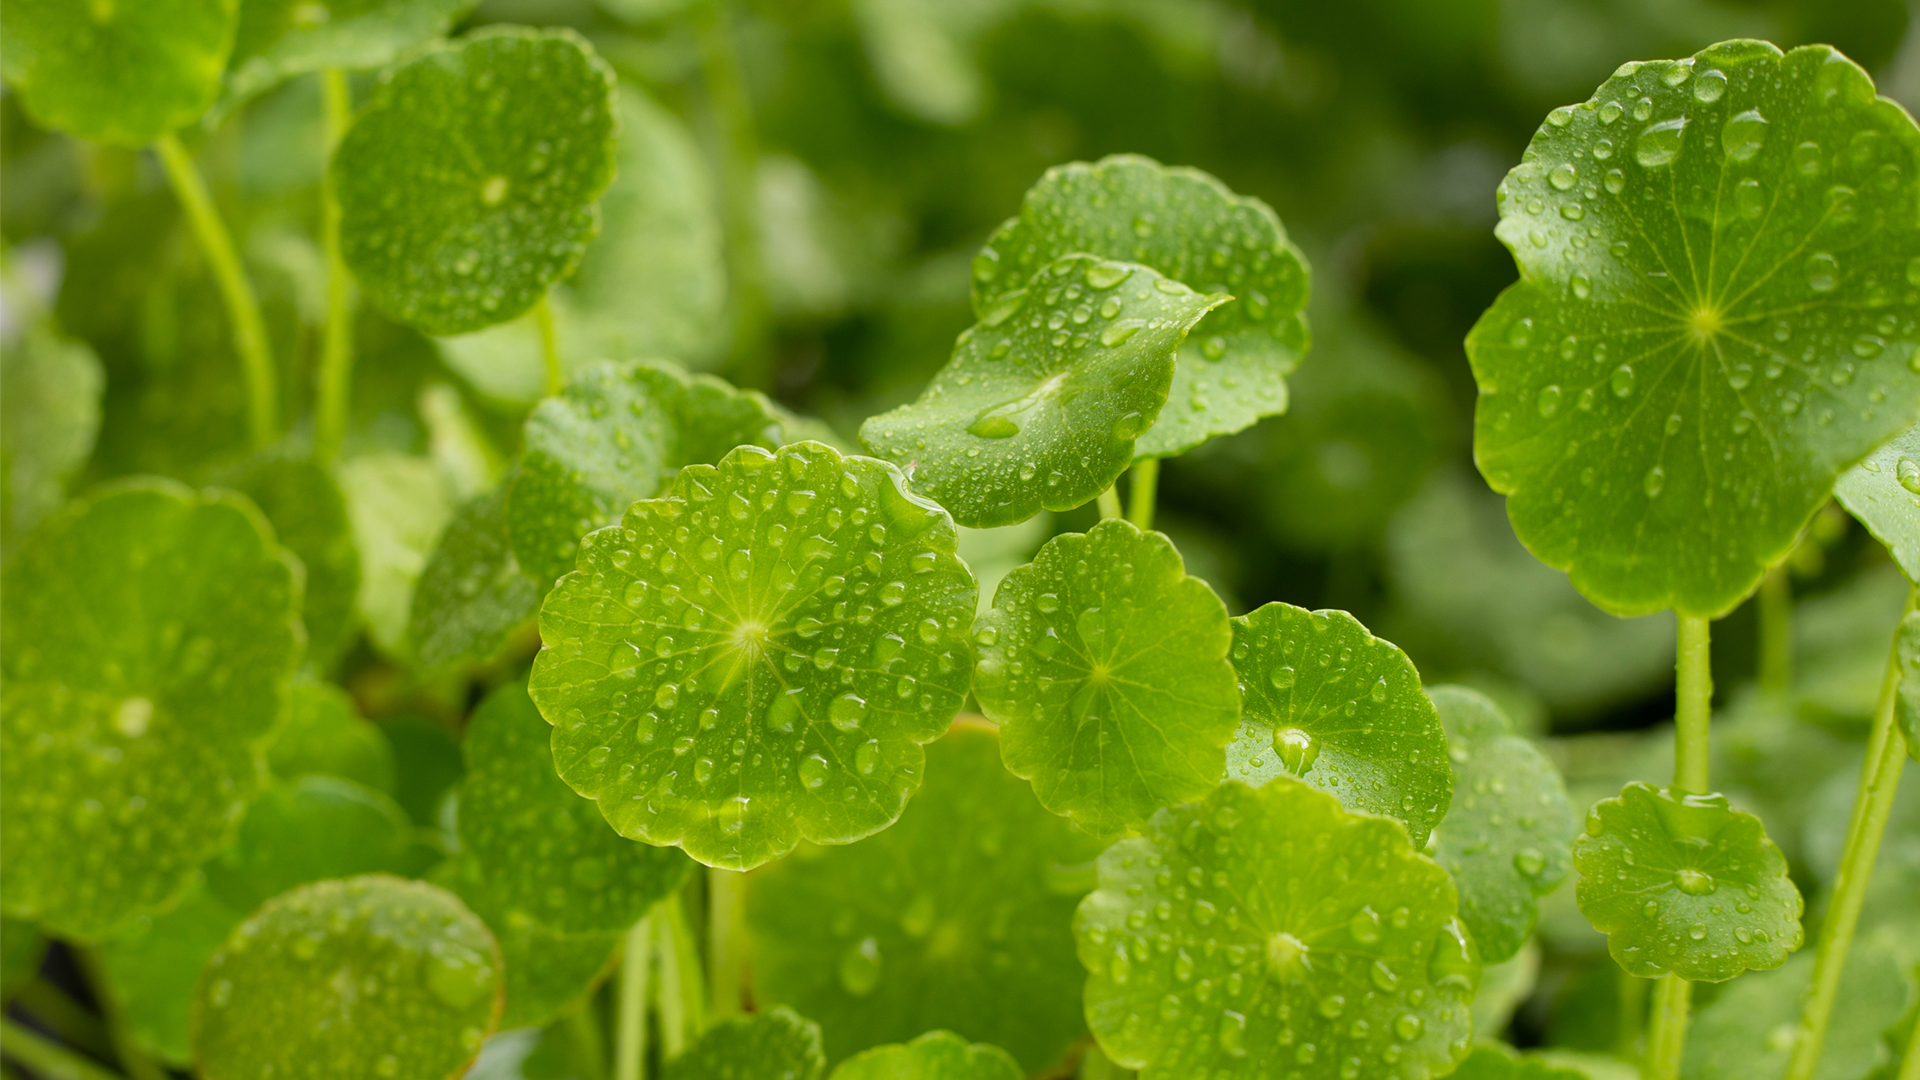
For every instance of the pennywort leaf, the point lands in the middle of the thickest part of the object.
(308, 512)
(49, 414)
(774, 1045)
(1883, 493)
(756, 657)
(278, 39)
(1497, 1062)
(398, 504)
(547, 972)
(153, 965)
(937, 1055)
(1747, 1033)
(472, 594)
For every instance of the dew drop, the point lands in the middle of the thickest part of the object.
(1907, 472)
(1744, 135)
(1563, 176)
(846, 712)
(860, 967)
(1823, 272)
(1297, 749)
(1659, 144)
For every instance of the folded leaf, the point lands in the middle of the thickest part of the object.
(1883, 492)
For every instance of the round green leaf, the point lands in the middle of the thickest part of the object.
(1716, 315)
(115, 71)
(1042, 401)
(1507, 837)
(401, 965)
(50, 390)
(1497, 1062)
(398, 504)
(937, 1055)
(773, 1045)
(427, 764)
(1684, 884)
(1188, 226)
(308, 829)
(617, 433)
(1883, 493)
(1106, 667)
(757, 656)
(1325, 701)
(547, 851)
(151, 636)
(955, 918)
(278, 39)
(1748, 1032)
(1269, 932)
(467, 183)
(153, 965)
(309, 517)
(472, 594)
(1907, 700)
(547, 972)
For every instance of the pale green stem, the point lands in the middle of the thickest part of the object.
(583, 1024)
(630, 1047)
(1109, 504)
(1692, 718)
(1146, 480)
(1633, 1014)
(126, 1045)
(1910, 1067)
(726, 87)
(1672, 997)
(46, 1057)
(679, 997)
(243, 308)
(726, 955)
(336, 342)
(1776, 631)
(1879, 783)
(549, 345)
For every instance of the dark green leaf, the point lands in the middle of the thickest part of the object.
(153, 965)
(548, 972)
(937, 1055)
(309, 517)
(49, 414)
(472, 595)
(1748, 1032)
(427, 763)
(773, 1045)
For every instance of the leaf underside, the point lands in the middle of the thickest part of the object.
(1882, 492)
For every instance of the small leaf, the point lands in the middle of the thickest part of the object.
(617, 433)
(547, 972)
(1106, 667)
(309, 517)
(1186, 225)
(1882, 491)
(153, 965)
(1042, 401)
(113, 71)
(1507, 838)
(467, 182)
(307, 829)
(1907, 699)
(50, 390)
(1684, 884)
(472, 595)
(956, 917)
(278, 39)
(398, 504)
(1749, 1031)
(151, 634)
(1495, 1061)
(756, 657)
(402, 965)
(1711, 321)
(1267, 931)
(937, 1055)
(547, 851)
(1325, 701)
(773, 1045)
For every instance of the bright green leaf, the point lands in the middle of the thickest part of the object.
(1293, 923)
(1714, 319)
(49, 414)
(400, 964)
(1186, 225)
(1106, 667)
(309, 517)
(153, 965)
(467, 182)
(617, 433)
(1883, 492)
(307, 829)
(278, 39)
(1042, 401)
(1684, 884)
(1507, 838)
(1498, 1062)
(757, 656)
(151, 636)
(1907, 699)
(955, 918)
(937, 1055)
(1748, 1032)
(1325, 701)
(773, 1045)
(472, 594)
(398, 504)
(547, 972)
(113, 71)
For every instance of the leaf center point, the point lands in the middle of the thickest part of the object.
(1285, 952)
(1705, 324)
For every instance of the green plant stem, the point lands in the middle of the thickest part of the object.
(549, 345)
(74, 1025)
(739, 160)
(589, 1053)
(1910, 1066)
(1633, 1016)
(1879, 783)
(336, 342)
(1109, 504)
(679, 996)
(726, 956)
(1693, 714)
(1146, 481)
(630, 1046)
(1672, 998)
(1776, 631)
(243, 307)
(46, 1057)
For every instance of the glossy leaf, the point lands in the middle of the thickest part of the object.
(400, 964)
(956, 917)
(617, 433)
(467, 182)
(937, 1055)
(120, 73)
(1907, 694)
(398, 504)
(1507, 838)
(757, 656)
(1684, 884)
(278, 39)
(1186, 225)
(773, 1045)
(1304, 938)
(1747, 1033)
(1042, 401)
(547, 972)
(1883, 492)
(49, 414)
(1325, 701)
(1106, 667)
(153, 965)
(472, 594)
(151, 636)
(1714, 319)
(308, 512)
(1497, 1062)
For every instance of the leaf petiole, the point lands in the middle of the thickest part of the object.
(46, 1057)
(726, 964)
(1146, 480)
(679, 996)
(336, 343)
(726, 89)
(549, 345)
(630, 1047)
(1109, 503)
(1667, 1037)
(1776, 631)
(1693, 715)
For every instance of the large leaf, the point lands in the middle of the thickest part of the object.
(278, 39)
(955, 918)
(49, 414)
(151, 637)
(1188, 226)
(1106, 667)
(1883, 491)
(1267, 931)
(467, 182)
(547, 972)
(1042, 401)
(937, 1055)
(757, 656)
(472, 594)
(773, 1045)
(1714, 319)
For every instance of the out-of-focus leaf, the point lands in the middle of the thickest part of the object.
(398, 505)
(427, 763)
(773, 1045)
(50, 390)
(547, 972)
(305, 830)
(472, 595)
(1503, 986)
(323, 733)
(937, 1055)
(309, 517)
(153, 965)
(1748, 1032)
(278, 39)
